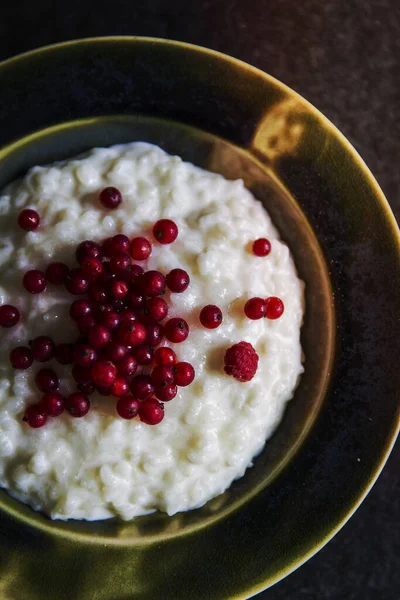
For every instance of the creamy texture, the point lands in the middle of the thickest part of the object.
(101, 465)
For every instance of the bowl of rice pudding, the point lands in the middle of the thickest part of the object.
(191, 315)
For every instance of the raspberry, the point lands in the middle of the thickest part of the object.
(241, 361)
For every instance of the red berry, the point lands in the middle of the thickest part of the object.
(142, 387)
(241, 361)
(165, 393)
(34, 416)
(120, 387)
(79, 309)
(118, 305)
(176, 330)
(84, 355)
(92, 268)
(151, 412)
(156, 309)
(127, 315)
(99, 336)
(127, 407)
(52, 404)
(127, 366)
(165, 231)
(165, 356)
(9, 315)
(155, 334)
(178, 280)
(76, 283)
(28, 219)
(184, 374)
(140, 248)
(97, 293)
(211, 316)
(104, 373)
(118, 289)
(120, 262)
(88, 249)
(115, 245)
(115, 351)
(275, 307)
(135, 299)
(77, 404)
(34, 281)
(85, 324)
(162, 375)
(261, 247)
(47, 380)
(21, 358)
(152, 283)
(42, 348)
(106, 276)
(56, 273)
(144, 355)
(87, 388)
(82, 374)
(255, 308)
(110, 197)
(132, 333)
(100, 310)
(130, 276)
(64, 354)
(103, 391)
(110, 320)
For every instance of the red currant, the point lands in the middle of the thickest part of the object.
(97, 293)
(151, 412)
(52, 404)
(76, 282)
(21, 358)
(42, 348)
(64, 354)
(9, 315)
(46, 380)
(34, 416)
(99, 312)
(110, 197)
(88, 249)
(144, 355)
(92, 268)
(155, 334)
(103, 391)
(178, 280)
(165, 231)
(165, 393)
(110, 320)
(255, 308)
(165, 356)
(156, 309)
(127, 366)
(274, 307)
(56, 273)
(87, 388)
(162, 375)
(130, 276)
(184, 374)
(120, 387)
(99, 336)
(261, 247)
(34, 281)
(104, 373)
(152, 283)
(211, 316)
(135, 299)
(79, 309)
(127, 315)
(82, 374)
(28, 219)
(115, 351)
(132, 333)
(127, 407)
(140, 248)
(120, 262)
(142, 387)
(84, 355)
(118, 289)
(85, 324)
(77, 404)
(176, 330)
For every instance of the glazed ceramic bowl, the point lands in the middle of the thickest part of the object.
(338, 430)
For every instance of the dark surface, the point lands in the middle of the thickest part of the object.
(321, 51)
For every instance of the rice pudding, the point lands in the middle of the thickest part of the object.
(102, 465)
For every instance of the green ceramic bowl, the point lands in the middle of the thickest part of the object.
(338, 430)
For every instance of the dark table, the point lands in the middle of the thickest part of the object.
(343, 56)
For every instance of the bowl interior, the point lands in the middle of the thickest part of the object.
(215, 154)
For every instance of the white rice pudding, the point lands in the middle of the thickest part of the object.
(100, 465)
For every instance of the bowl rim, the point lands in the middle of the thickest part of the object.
(367, 175)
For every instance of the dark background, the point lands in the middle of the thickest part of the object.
(343, 56)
